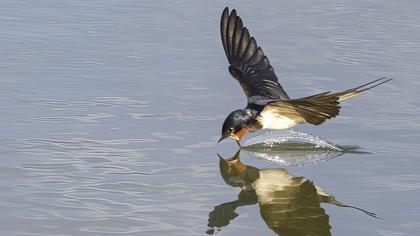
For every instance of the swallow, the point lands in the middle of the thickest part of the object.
(268, 105)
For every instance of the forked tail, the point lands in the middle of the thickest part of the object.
(346, 94)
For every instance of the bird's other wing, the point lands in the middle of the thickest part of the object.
(314, 109)
(248, 64)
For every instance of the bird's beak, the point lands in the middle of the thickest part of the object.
(223, 137)
(237, 139)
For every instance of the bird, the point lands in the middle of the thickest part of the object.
(268, 104)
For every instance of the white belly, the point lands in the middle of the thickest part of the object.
(272, 120)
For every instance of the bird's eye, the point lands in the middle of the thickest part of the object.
(231, 129)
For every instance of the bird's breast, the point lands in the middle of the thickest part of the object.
(274, 120)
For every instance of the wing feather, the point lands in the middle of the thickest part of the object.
(248, 63)
(314, 109)
(318, 108)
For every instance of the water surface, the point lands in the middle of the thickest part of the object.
(111, 112)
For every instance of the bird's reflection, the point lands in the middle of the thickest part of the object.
(289, 205)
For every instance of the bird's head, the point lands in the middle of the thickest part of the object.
(235, 125)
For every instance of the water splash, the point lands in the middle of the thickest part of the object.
(294, 148)
(274, 138)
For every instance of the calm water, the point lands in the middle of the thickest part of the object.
(111, 111)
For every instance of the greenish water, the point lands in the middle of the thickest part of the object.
(111, 112)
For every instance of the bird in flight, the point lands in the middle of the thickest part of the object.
(269, 106)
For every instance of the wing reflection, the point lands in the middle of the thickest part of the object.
(289, 205)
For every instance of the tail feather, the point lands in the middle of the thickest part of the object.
(346, 94)
(326, 106)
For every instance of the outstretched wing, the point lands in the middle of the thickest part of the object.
(315, 109)
(248, 64)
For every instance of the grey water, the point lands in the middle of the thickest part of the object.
(111, 112)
